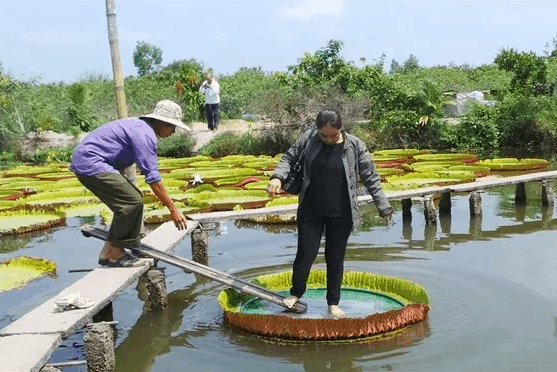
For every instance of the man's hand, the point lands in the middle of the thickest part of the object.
(179, 219)
(274, 186)
(388, 219)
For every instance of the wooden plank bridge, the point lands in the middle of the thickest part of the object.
(27, 343)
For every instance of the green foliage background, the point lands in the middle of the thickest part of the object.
(400, 108)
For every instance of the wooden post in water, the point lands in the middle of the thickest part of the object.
(520, 197)
(429, 211)
(548, 199)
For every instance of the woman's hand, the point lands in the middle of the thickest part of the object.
(274, 186)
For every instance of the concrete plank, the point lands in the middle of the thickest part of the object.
(25, 353)
(102, 285)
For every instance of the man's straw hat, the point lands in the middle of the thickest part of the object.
(169, 112)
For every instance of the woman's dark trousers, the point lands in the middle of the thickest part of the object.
(310, 230)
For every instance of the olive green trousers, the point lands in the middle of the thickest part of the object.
(125, 200)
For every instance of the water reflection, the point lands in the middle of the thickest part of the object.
(331, 356)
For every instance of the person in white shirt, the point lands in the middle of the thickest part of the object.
(211, 89)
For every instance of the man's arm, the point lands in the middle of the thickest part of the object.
(176, 215)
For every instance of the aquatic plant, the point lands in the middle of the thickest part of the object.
(22, 221)
(468, 158)
(18, 271)
(165, 163)
(509, 164)
(400, 152)
(412, 296)
(430, 178)
(285, 200)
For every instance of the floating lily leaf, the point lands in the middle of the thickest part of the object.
(447, 157)
(165, 163)
(22, 170)
(508, 164)
(383, 172)
(400, 153)
(429, 178)
(259, 185)
(59, 198)
(18, 271)
(23, 221)
(282, 201)
(82, 210)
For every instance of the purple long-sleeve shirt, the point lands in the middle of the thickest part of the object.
(115, 146)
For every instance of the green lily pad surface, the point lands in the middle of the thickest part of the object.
(20, 270)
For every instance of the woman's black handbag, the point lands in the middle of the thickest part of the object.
(295, 178)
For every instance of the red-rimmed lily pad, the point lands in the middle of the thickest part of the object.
(462, 157)
(23, 221)
(408, 181)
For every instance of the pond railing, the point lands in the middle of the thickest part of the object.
(27, 343)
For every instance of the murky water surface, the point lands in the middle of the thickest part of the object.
(493, 287)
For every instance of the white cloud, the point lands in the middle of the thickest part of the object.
(59, 37)
(310, 8)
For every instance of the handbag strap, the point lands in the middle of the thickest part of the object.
(297, 165)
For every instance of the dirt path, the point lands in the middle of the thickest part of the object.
(203, 135)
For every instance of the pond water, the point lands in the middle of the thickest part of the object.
(493, 288)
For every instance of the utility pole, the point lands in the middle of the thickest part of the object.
(118, 75)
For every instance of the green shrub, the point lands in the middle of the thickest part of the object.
(49, 155)
(221, 145)
(479, 129)
(176, 146)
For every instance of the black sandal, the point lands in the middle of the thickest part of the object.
(127, 260)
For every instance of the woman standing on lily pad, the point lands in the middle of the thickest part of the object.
(331, 164)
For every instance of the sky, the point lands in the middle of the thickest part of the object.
(67, 40)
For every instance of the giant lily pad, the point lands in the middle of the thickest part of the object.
(467, 158)
(18, 271)
(430, 178)
(510, 164)
(23, 221)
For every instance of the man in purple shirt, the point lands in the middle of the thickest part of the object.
(99, 160)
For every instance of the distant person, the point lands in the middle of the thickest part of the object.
(332, 162)
(211, 89)
(99, 160)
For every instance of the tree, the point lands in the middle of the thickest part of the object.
(147, 58)
(395, 67)
(411, 64)
(530, 70)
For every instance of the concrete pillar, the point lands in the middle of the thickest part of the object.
(520, 196)
(445, 204)
(99, 347)
(430, 233)
(406, 210)
(429, 211)
(152, 289)
(547, 193)
(199, 246)
(547, 216)
(476, 226)
(475, 204)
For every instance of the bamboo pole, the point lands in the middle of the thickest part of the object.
(118, 75)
